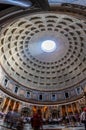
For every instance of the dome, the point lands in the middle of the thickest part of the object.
(24, 60)
(43, 50)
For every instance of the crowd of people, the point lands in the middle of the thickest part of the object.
(16, 120)
(13, 120)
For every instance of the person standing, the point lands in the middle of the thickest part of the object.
(20, 123)
(83, 117)
(37, 120)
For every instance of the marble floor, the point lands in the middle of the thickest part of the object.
(45, 127)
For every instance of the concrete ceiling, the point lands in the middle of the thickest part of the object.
(23, 59)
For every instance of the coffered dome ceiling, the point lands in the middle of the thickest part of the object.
(23, 59)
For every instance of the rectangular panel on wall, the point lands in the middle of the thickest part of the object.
(10, 86)
(22, 92)
(60, 96)
(35, 95)
(73, 92)
(46, 97)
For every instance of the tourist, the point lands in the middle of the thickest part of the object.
(83, 117)
(37, 122)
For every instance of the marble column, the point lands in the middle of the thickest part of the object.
(14, 105)
(66, 110)
(60, 111)
(72, 109)
(78, 107)
(3, 103)
(6, 110)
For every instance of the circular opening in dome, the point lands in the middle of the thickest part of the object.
(48, 46)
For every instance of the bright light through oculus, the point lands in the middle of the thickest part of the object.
(48, 46)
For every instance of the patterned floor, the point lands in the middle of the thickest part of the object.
(48, 127)
(45, 127)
